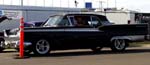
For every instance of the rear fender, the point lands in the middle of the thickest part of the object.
(130, 38)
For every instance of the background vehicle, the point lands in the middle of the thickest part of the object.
(61, 32)
(11, 36)
(2, 47)
(33, 24)
(1, 42)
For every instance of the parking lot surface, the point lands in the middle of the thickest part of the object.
(133, 56)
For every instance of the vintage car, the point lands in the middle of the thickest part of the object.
(80, 31)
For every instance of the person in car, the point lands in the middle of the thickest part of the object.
(79, 21)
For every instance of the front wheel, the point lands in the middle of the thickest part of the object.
(41, 47)
(119, 45)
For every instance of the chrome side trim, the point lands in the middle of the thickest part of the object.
(130, 38)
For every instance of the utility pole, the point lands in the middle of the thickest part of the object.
(44, 2)
(115, 3)
(60, 3)
(52, 3)
(68, 3)
(35, 2)
(107, 3)
(101, 5)
(3, 2)
(11, 2)
(21, 2)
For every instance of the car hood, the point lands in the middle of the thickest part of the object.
(2, 18)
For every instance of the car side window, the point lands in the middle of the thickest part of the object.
(95, 21)
(64, 22)
(71, 20)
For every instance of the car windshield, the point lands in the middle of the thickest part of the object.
(53, 20)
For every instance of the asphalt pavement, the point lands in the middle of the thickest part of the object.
(133, 56)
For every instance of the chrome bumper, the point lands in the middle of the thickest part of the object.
(26, 44)
(147, 37)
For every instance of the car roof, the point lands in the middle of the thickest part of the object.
(77, 13)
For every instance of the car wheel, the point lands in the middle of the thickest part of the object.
(96, 49)
(41, 47)
(119, 45)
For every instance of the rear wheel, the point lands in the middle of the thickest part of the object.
(119, 45)
(41, 47)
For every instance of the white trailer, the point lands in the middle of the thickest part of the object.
(120, 17)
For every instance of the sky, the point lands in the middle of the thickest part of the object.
(137, 5)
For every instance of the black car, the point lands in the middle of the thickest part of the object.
(81, 31)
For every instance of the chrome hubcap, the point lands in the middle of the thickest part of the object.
(42, 46)
(119, 44)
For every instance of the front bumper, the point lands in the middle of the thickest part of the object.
(16, 44)
(26, 44)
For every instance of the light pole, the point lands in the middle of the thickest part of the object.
(68, 3)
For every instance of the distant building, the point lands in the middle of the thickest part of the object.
(33, 13)
(30, 13)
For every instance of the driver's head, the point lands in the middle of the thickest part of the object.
(79, 20)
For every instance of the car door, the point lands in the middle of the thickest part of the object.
(100, 37)
(81, 36)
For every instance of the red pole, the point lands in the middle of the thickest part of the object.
(22, 37)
